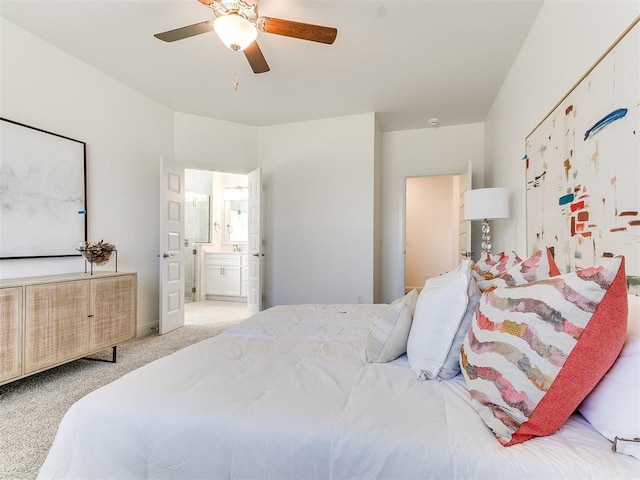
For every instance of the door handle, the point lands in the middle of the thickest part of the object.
(167, 255)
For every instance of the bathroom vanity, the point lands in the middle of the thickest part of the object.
(225, 275)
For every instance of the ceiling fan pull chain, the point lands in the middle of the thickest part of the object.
(236, 78)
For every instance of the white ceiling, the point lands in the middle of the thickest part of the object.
(407, 60)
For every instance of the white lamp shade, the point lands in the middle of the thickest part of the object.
(236, 32)
(486, 203)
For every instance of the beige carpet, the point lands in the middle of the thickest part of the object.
(31, 408)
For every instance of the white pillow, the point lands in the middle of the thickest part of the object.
(613, 407)
(451, 366)
(442, 315)
(388, 333)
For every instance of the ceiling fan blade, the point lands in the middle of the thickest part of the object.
(185, 32)
(303, 31)
(256, 58)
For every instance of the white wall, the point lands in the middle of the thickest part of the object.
(564, 42)
(202, 142)
(126, 133)
(318, 199)
(333, 197)
(414, 153)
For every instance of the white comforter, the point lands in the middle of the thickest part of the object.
(288, 395)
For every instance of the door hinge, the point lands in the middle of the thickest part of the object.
(194, 251)
(193, 289)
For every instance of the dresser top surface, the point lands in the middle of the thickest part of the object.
(64, 277)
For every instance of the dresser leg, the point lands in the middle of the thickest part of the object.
(114, 352)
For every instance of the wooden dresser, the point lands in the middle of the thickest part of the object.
(50, 320)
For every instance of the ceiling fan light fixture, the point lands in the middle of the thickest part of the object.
(235, 31)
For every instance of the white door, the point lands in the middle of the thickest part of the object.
(464, 229)
(171, 241)
(254, 294)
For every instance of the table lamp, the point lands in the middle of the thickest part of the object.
(486, 204)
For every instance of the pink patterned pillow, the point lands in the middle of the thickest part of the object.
(493, 265)
(537, 267)
(484, 264)
(533, 352)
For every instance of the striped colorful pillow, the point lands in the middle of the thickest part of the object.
(533, 352)
(493, 265)
(538, 266)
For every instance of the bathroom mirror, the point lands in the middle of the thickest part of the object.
(236, 221)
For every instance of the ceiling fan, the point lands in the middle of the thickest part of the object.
(237, 23)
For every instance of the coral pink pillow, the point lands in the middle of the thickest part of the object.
(533, 352)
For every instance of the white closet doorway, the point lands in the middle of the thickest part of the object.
(432, 227)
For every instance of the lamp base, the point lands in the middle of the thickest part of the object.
(486, 237)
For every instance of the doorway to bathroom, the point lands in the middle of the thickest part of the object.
(215, 246)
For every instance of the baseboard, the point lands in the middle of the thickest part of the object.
(146, 328)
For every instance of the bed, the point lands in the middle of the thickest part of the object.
(288, 394)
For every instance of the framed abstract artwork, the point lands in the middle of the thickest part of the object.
(583, 166)
(43, 187)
